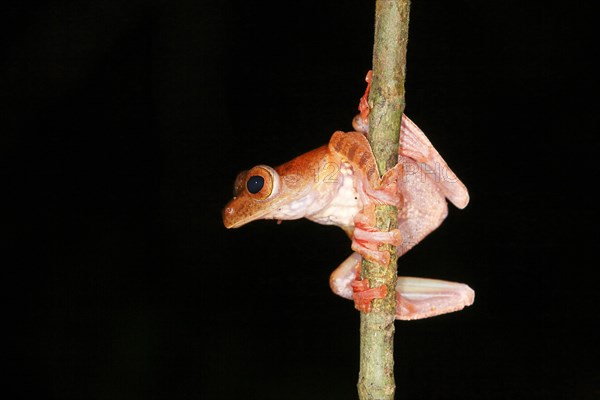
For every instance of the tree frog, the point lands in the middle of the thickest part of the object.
(338, 184)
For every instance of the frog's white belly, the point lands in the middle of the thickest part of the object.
(342, 206)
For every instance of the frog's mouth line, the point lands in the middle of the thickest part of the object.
(229, 212)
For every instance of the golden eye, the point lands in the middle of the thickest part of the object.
(261, 182)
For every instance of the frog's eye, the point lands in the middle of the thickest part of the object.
(255, 183)
(261, 182)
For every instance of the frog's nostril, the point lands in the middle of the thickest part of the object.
(228, 215)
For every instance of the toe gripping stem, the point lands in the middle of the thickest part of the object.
(363, 294)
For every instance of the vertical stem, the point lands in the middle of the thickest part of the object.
(386, 100)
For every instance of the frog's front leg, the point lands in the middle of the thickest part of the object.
(353, 148)
(366, 238)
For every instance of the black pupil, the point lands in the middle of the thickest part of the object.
(255, 183)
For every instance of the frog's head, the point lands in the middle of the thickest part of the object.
(255, 193)
(282, 193)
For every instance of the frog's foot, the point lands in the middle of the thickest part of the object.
(363, 105)
(363, 293)
(418, 298)
(389, 186)
(366, 238)
(384, 190)
(361, 121)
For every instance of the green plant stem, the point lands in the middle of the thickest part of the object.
(386, 101)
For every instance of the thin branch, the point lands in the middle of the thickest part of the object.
(386, 100)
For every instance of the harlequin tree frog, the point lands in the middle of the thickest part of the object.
(338, 184)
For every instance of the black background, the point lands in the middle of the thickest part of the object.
(125, 123)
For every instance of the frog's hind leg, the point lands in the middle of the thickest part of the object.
(418, 298)
(415, 146)
(345, 281)
(342, 277)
